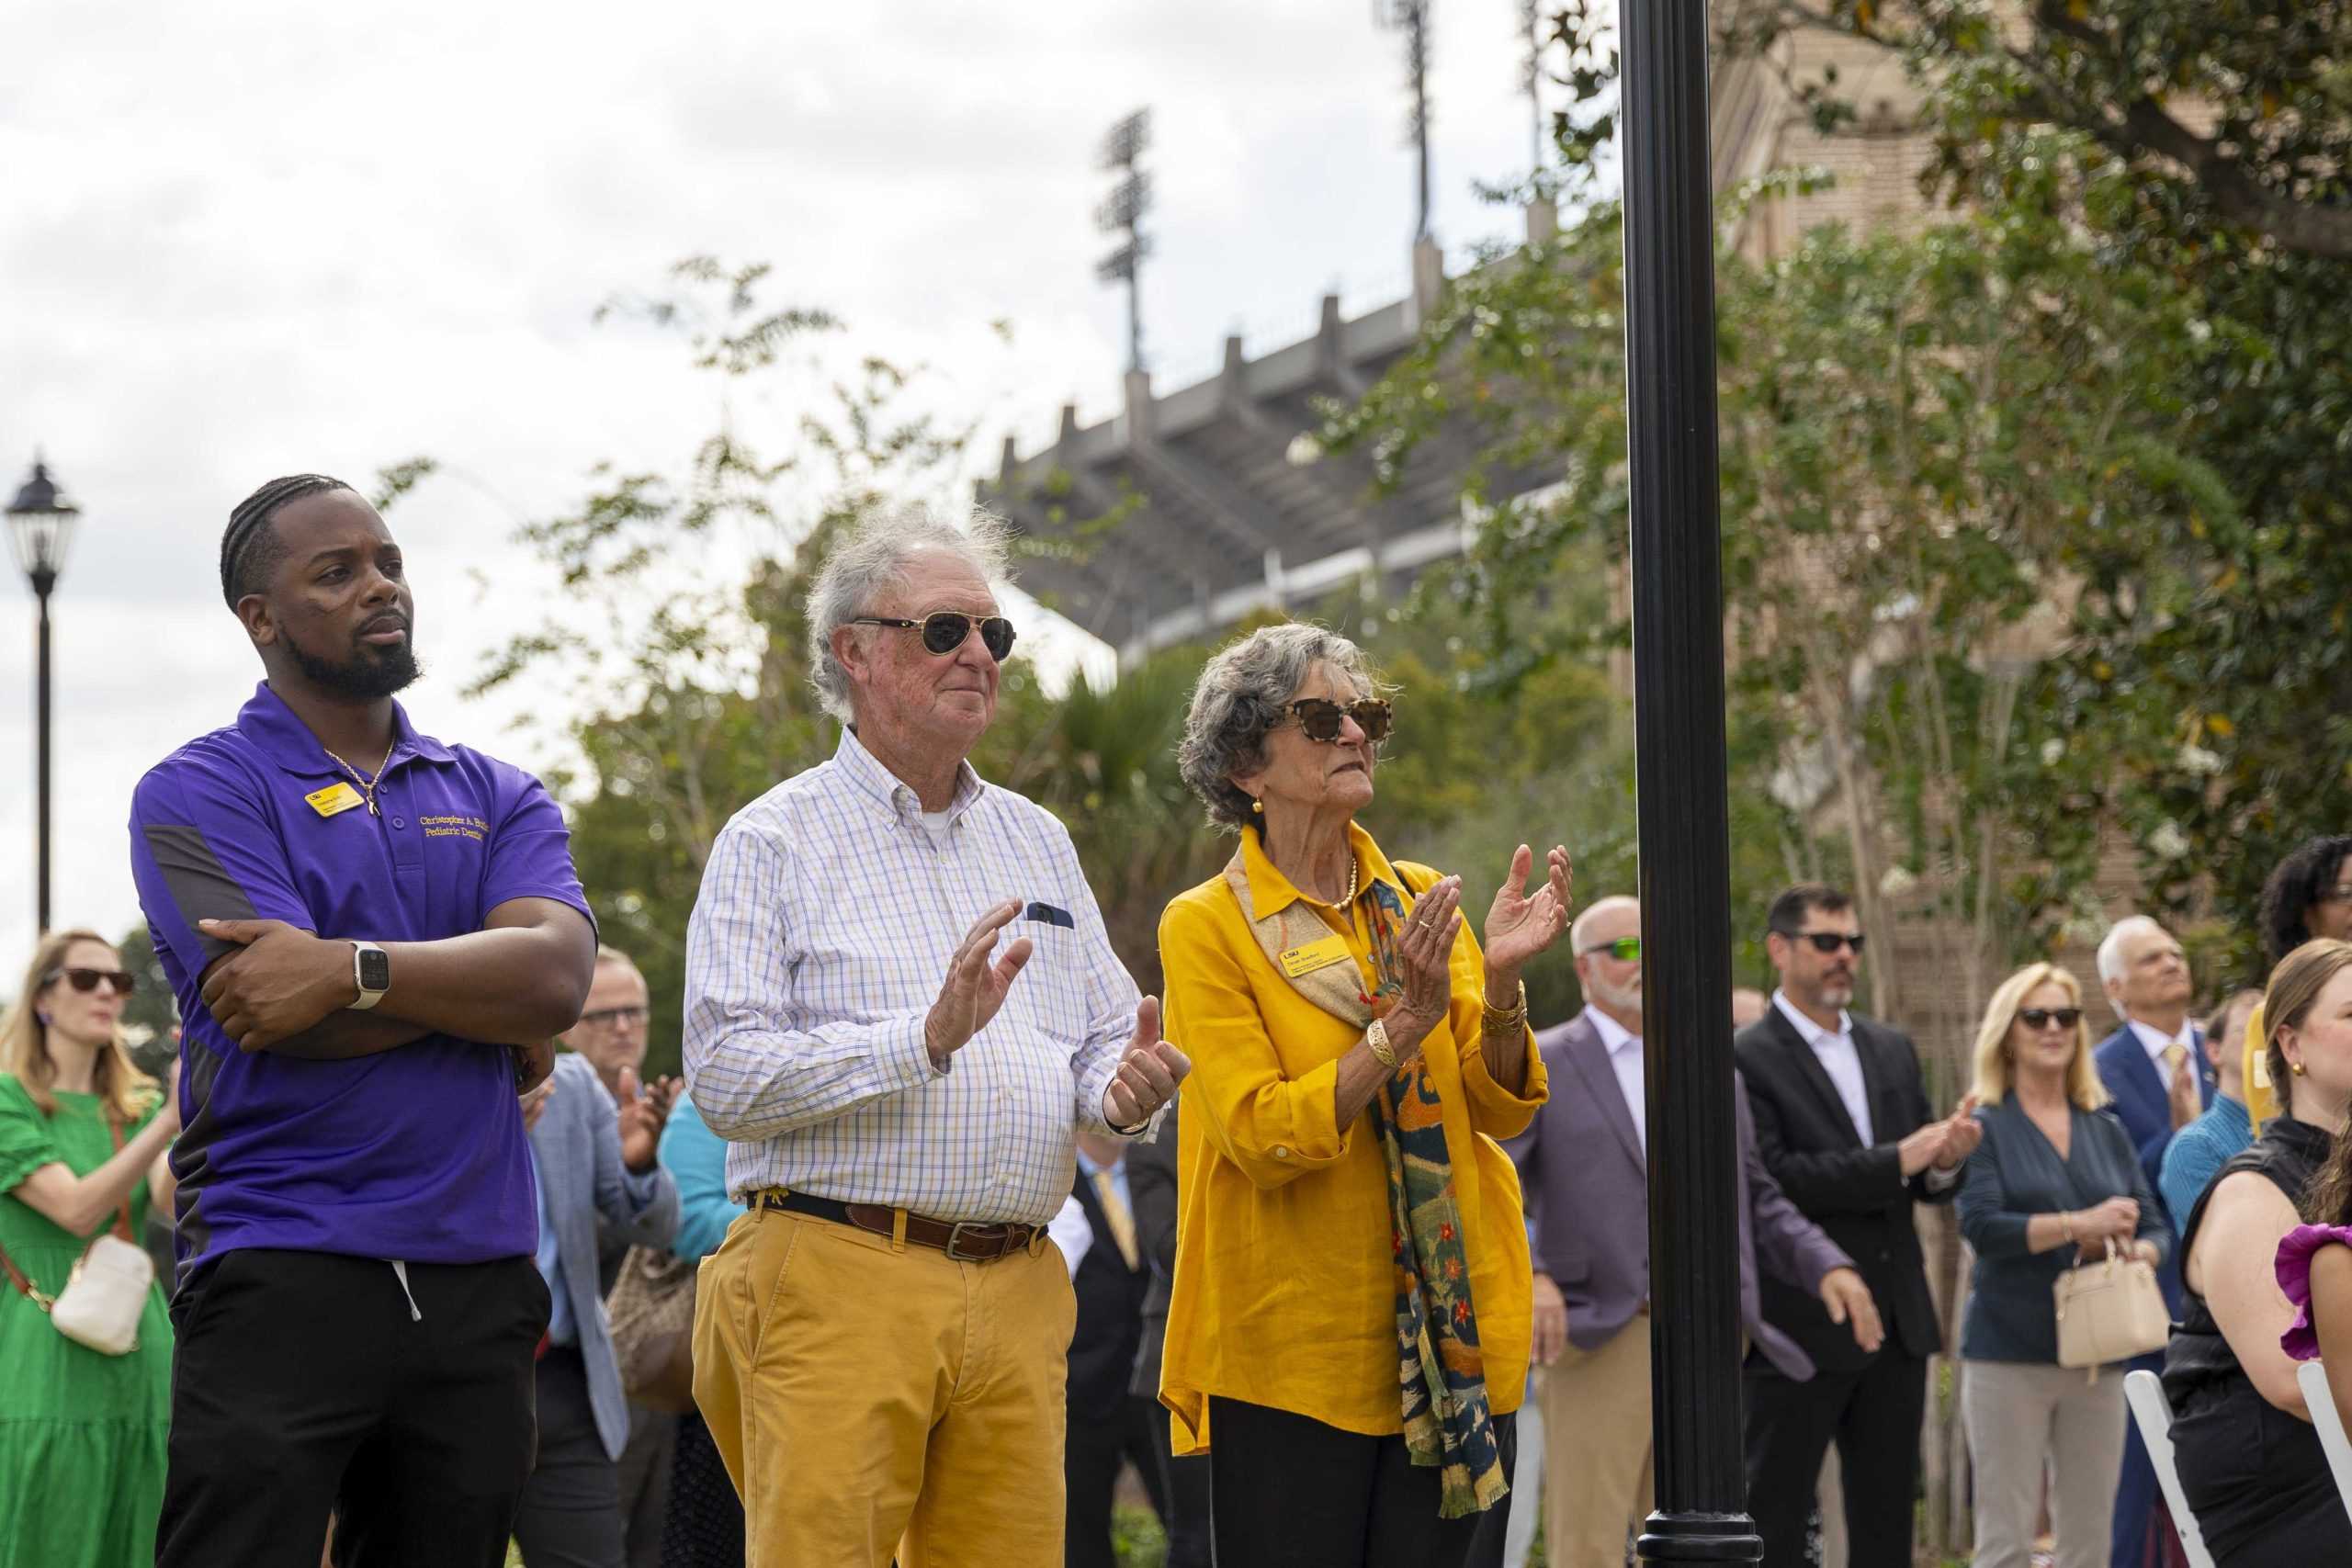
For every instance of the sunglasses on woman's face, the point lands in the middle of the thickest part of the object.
(1318, 720)
(943, 631)
(2043, 1018)
(88, 980)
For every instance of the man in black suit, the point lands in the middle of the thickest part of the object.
(1183, 1483)
(1843, 1125)
(1110, 1274)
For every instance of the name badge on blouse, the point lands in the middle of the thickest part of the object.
(1308, 957)
(336, 797)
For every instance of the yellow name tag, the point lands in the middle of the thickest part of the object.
(1314, 955)
(333, 799)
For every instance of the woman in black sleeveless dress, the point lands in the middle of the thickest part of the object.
(2250, 1463)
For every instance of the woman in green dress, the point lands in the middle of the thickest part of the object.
(82, 1434)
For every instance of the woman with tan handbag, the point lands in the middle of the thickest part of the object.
(84, 1141)
(2250, 1463)
(2055, 1182)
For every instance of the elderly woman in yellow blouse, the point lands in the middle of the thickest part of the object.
(1348, 1327)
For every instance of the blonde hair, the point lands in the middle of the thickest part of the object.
(1997, 1074)
(2295, 984)
(24, 1040)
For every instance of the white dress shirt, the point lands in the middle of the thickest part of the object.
(2155, 1042)
(1839, 1058)
(1626, 1060)
(826, 917)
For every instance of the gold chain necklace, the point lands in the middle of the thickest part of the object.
(367, 785)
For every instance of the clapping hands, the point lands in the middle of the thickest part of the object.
(1944, 1145)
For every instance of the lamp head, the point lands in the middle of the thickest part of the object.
(40, 528)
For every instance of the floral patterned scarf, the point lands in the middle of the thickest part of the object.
(1441, 1372)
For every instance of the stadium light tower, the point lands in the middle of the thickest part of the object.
(1122, 213)
(1411, 18)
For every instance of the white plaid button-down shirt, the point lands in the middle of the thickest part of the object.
(828, 914)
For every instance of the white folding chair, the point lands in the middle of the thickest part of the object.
(2145, 1395)
(2320, 1400)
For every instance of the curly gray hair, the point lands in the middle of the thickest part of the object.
(872, 557)
(1240, 698)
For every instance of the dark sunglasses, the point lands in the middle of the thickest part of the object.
(88, 980)
(1320, 720)
(943, 631)
(1828, 941)
(603, 1017)
(2043, 1018)
(1625, 949)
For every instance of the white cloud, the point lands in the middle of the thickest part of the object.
(243, 239)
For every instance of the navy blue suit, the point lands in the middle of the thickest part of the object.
(2143, 1104)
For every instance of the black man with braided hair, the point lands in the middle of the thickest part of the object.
(372, 936)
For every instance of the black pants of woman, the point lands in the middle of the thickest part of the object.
(1286, 1490)
(705, 1525)
(2258, 1482)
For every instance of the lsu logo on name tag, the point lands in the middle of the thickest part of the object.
(1308, 957)
(336, 797)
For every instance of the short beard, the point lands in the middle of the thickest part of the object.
(1624, 998)
(366, 676)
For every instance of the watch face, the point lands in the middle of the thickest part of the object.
(375, 970)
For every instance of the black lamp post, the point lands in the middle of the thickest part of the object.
(1679, 767)
(40, 530)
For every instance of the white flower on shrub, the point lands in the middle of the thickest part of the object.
(2052, 750)
(2168, 841)
(2197, 759)
(1897, 882)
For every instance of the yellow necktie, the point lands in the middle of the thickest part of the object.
(1115, 1212)
(2176, 1059)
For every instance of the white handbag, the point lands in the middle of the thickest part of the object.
(106, 1294)
(2109, 1311)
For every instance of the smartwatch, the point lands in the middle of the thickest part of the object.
(371, 970)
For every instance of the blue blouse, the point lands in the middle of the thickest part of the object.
(696, 1159)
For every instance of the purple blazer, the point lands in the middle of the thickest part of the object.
(1588, 1199)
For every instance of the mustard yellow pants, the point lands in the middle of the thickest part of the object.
(871, 1401)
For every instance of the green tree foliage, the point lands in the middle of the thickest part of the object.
(2204, 697)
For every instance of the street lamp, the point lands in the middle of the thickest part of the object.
(40, 530)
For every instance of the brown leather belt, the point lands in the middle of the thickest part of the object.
(966, 1241)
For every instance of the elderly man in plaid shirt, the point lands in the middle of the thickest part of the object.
(901, 1008)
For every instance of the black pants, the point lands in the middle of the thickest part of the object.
(1185, 1485)
(569, 1513)
(1092, 1455)
(2257, 1481)
(1873, 1416)
(302, 1384)
(1289, 1492)
(704, 1527)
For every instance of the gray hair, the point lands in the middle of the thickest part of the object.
(2112, 966)
(871, 557)
(1239, 699)
(1582, 926)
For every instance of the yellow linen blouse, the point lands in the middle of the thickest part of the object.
(1284, 1292)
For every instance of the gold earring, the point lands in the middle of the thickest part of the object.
(1258, 807)
(2296, 1068)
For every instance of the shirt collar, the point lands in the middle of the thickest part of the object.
(1814, 1035)
(893, 794)
(270, 724)
(1090, 1169)
(2155, 1042)
(1270, 892)
(1613, 1035)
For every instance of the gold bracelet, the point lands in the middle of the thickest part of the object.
(1501, 1020)
(1376, 1037)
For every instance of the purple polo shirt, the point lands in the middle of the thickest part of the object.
(418, 1153)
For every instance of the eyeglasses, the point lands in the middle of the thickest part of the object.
(2043, 1018)
(1829, 941)
(88, 980)
(1624, 950)
(606, 1018)
(1318, 720)
(943, 631)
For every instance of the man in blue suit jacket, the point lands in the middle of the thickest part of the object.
(2156, 1069)
(595, 1161)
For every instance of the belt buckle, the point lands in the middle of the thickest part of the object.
(956, 1235)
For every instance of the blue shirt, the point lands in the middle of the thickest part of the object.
(2199, 1151)
(415, 1154)
(549, 1259)
(696, 1159)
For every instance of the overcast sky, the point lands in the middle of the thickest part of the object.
(243, 239)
